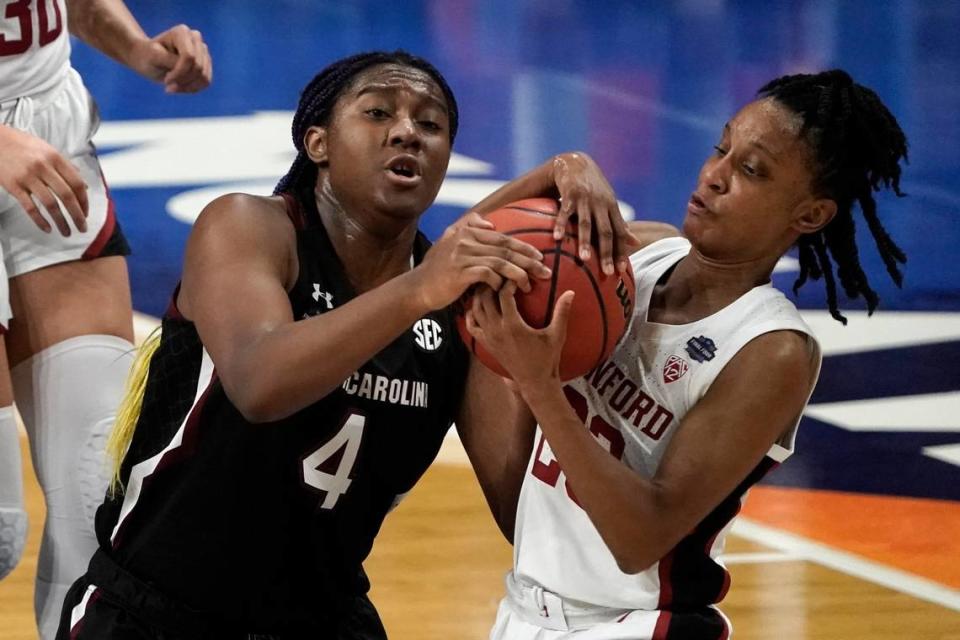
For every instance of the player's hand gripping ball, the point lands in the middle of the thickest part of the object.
(602, 305)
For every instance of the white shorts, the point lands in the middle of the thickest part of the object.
(531, 613)
(66, 117)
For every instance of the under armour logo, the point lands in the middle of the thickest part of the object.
(326, 295)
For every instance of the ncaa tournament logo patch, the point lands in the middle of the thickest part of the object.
(701, 348)
(674, 368)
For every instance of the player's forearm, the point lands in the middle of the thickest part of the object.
(538, 182)
(627, 510)
(497, 430)
(291, 367)
(106, 25)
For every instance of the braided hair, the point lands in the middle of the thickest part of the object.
(856, 146)
(319, 97)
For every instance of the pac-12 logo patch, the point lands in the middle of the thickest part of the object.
(701, 348)
(427, 334)
(674, 368)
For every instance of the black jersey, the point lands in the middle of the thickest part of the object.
(266, 525)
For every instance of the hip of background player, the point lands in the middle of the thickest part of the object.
(25, 247)
(66, 117)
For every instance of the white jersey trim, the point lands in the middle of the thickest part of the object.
(142, 470)
(77, 613)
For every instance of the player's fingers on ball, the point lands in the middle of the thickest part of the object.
(474, 219)
(476, 305)
(563, 215)
(561, 313)
(508, 301)
(486, 302)
(470, 320)
(584, 228)
(533, 266)
(489, 277)
(524, 250)
(624, 242)
(498, 243)
(511, 272)
(605, 238)
(23, 197)
(476, 330)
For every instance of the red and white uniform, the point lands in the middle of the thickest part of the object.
(42, 94)
(565, 581)
(34, 47)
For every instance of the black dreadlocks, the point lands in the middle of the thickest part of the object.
(321, 94)
(856, 146)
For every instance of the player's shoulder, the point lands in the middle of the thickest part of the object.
(239, 225)
(646, 232)
(670, 248)
(244, 208)
(245, 218)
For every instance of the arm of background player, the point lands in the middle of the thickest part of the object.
(496, 429)
(241, 261)
(749, 406)
(577, 180)
(178, 58)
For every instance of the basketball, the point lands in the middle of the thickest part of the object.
(601, 307)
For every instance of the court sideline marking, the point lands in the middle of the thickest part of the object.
(847, 563)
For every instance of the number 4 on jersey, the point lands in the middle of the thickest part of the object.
(335, 484)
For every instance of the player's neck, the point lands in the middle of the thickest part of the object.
(370, 254)
(699, 287)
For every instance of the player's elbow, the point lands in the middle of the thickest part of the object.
(634, 561)
(257, 401)
(256, 410)
(638, 547)
(632, 547)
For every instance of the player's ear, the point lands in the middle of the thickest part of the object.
(814, 215)
(315, 144)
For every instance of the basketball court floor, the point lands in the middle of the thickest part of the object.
(856, 536)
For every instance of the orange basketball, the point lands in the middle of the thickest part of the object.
(602, 305)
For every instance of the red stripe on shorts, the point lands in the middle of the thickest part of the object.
(93, 251)
(663, 625)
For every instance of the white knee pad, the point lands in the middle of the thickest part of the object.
(68, 396)
(13, 516)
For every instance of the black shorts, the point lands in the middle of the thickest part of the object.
(108, 603)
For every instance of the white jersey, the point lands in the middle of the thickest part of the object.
(34, 46)
(633, 404)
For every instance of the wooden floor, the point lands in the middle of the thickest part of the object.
(438, 567)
